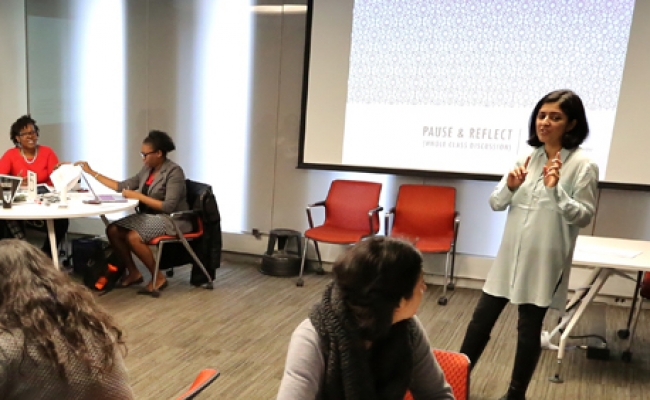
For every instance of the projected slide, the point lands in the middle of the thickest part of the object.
(450, 85)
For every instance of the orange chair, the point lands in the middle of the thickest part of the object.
(351, 213)
(455, 366)
(426, 215)
(194, 190)
(202, 381)
(641, 292)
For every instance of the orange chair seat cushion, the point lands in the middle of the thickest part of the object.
(456, 369)
(188, 236)
(331, 234)
(455, 366)
(428, 244)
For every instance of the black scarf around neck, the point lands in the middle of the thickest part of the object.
(353, 372)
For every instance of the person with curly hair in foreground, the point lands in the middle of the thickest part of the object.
(56, 342)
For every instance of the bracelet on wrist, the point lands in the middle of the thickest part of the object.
(96, 175)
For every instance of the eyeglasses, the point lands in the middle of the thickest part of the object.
(144, 155)
(28, 133)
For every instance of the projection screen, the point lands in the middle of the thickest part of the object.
(446, 88)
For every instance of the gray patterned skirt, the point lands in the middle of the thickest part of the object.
(148, 226)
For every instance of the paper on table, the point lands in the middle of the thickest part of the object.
(66, 176)
(607, 251)
(31, 185)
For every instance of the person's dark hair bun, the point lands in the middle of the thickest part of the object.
(160, 140)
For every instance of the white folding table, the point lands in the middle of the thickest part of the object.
(29, 210)
(606, 257)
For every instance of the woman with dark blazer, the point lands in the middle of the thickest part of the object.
(160, 188)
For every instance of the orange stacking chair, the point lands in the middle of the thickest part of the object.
(426, 215)
(351, 214)
(455, 366)
(202, 381)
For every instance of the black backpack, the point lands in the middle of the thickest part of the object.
(94, 260)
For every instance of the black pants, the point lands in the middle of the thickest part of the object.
(529, 330)
(60, 229)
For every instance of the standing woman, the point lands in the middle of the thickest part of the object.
(56, 342)
(160, 188)
(549, 195)
(28, 155)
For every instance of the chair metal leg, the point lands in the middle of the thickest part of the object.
(451, 285)
(210, 284)
(443, 300)
(186, 244)
(300, 282)
(319, 270)
(155, 292)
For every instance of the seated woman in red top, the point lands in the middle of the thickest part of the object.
(28, 155)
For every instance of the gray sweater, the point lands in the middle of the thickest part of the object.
(33, 377)
(304, 371)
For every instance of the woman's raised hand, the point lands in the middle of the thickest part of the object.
(60, 164)
(552, 173)
(517, 176)
(84, 165)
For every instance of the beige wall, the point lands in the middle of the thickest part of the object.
(159, 45)
(13, 67)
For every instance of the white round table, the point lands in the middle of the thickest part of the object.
(28, 210)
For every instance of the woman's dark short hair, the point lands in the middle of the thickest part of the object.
(20, 124)
(373, 277)
(571, 105)
(160, 140)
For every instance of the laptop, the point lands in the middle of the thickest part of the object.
(103, 198)
(43, 188)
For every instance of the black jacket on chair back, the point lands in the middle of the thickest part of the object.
(201, 199)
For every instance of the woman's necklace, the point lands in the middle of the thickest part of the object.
(25, 157)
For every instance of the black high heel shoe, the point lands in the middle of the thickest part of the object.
(144, 291)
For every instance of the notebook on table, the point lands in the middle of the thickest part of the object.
(102, 198)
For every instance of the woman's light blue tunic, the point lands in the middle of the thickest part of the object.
(534, 259)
